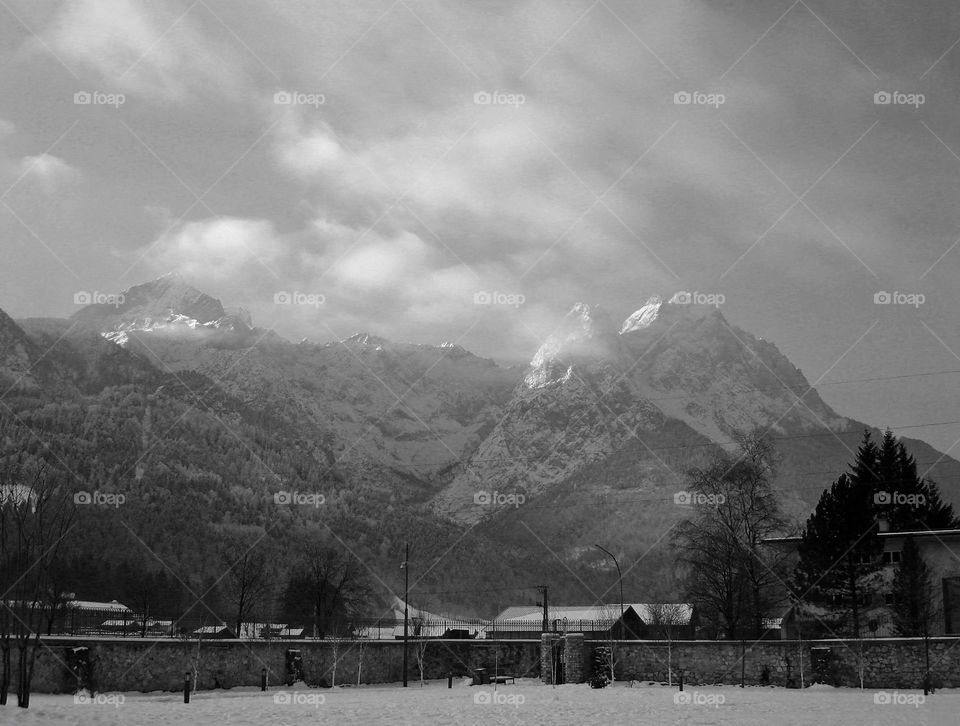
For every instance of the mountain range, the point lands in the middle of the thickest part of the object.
(504, 476)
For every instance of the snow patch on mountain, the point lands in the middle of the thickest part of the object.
(366, 339)
(585, 335)
(165, 306)
(643, 317)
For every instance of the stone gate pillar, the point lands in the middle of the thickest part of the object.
(549, 642)
(575, 670)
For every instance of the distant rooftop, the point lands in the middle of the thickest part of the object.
(939, 533)
(647, 612)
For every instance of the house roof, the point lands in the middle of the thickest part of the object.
(94, 605)
(600, 613)
(151, 623)
(938, 533)
(254, 630)
(678, 613)
(211, 629)
(534, 613)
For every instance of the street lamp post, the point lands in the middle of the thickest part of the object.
(620, 580)
(406, 595)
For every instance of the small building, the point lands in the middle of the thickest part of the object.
(99, 607)
(640, 621)
(213, 632)
(940, 550)
(94, 617)
(422, 624)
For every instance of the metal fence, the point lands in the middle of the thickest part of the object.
(127, 623)
(81, 622)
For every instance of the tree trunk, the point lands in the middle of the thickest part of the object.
(856, 613)
(855, 597)
(31, 662)
(5, 674)
(757, 612)
(23, 687)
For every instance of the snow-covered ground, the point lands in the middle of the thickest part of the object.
(528, 702)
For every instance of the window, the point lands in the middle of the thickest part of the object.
(891, 557)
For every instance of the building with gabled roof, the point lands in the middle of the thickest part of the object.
(423, 624)
(940, 550)
(598, 621)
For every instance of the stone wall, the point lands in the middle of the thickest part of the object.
(133, 664)
(887, 663)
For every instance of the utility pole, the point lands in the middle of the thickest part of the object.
(406, 595)
(620, 580)
(543, 601)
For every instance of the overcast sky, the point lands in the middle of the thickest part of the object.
(394, 188)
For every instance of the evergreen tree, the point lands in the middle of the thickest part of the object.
(939, 514)
(913, 594)
(840, 550)
(863, 471)
(906, 501)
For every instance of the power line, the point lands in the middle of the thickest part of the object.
(421, 463)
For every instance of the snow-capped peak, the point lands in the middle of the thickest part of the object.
(366, 339)
(585, 334)
(643, 317)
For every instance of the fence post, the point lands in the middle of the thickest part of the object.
(186, 687)
(263, 679)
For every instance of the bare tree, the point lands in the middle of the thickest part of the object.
(35, 519)
(335, 652)
(360, 645)
(665, 618)
(248, 581)
(329, 585)
(611, 614)
(421, 653)
(733, 572)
